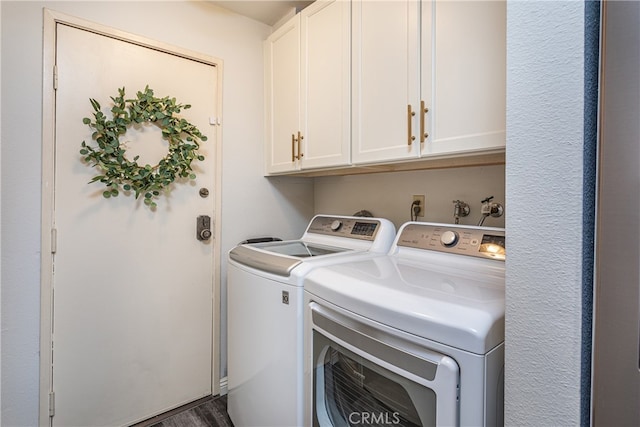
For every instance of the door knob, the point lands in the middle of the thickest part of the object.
(203, 227)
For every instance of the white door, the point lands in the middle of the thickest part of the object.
(132, 287)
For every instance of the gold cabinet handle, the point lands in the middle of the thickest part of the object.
(293, 148)
(410, 114)
(300, 137)
(423, 112)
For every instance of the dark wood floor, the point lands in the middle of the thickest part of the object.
(208, 412)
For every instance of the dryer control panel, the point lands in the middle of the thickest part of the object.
(355, 228)
(483, 242)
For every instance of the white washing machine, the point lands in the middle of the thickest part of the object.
(413, 338)
(265, 313)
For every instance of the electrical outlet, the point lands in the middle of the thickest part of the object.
(419, 199)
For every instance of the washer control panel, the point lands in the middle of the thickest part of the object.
(464, 240)
(360, 228)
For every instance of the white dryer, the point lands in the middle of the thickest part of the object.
(265, 313)
(413, 338)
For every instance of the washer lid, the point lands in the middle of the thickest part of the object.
(326, 237)
(298, 248)
(448, 302)
(279, 257)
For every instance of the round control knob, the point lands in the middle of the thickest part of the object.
(205, 234)
(449, 238)
(335, 225)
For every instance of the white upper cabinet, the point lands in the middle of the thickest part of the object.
(386, 67)
(282, 95)
(387, 82)
(326, 84)
(464, 76)
(308, 89)
(428, 78)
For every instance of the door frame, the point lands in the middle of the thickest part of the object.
(50, 20)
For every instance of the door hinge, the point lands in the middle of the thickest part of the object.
(54, 240)
(55, 77)
(52, 404)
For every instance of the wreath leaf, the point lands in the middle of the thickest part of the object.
(117, 172)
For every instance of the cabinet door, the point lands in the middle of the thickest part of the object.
(468, 69)
(325, 83)
(282, 95)
(385, 80)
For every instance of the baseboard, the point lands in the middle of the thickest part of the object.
(223, 386)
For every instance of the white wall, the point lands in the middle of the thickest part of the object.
(544, 185)
(252, 205)
(389, 195)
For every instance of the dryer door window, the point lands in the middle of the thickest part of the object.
(357, 391)
(362, 380)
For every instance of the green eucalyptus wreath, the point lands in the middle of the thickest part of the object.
(118, 172)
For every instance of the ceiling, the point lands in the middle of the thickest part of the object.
(266, 11)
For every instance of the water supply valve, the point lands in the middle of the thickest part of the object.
(490, 208)
(460, 209)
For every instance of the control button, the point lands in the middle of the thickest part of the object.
(449, 238)
(336, 224)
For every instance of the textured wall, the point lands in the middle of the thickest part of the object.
(544, 186)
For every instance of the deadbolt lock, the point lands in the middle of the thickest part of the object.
(203, 227)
